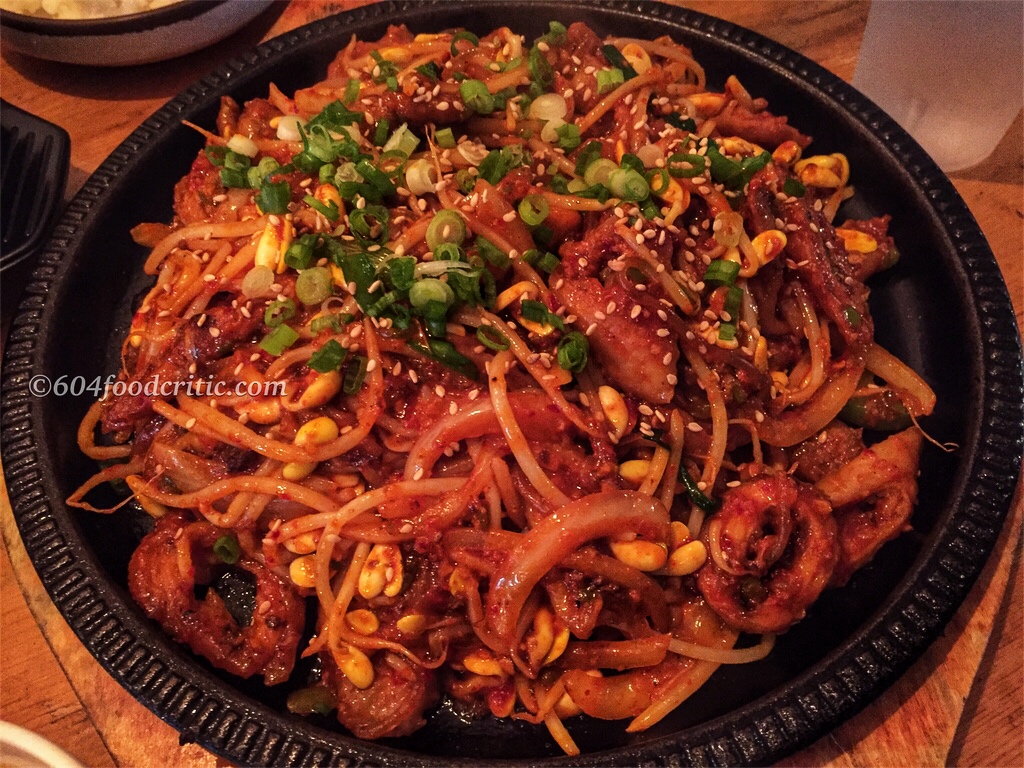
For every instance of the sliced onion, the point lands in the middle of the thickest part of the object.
(288, 128)
(421, 176)
(650, 155)
(549, 132)
(560, 533)
(257, 282)
(548, 106)
(243, 145)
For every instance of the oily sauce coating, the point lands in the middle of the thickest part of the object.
(163, 575)
(778, 547)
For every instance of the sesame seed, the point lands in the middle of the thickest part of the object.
(590, 329)
(667, 359)
(610, 309)
(439, 390)
(672, 379)
(371, 366)
(646, 410)
(693, 426)
(635, 312)
(190, 423)
(453, 408)
(418, 474)
(663, 332)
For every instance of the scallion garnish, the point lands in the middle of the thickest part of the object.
(278, 312)
(279, 339)
(475, 96)
(572, 352)
(274, 196)
(328, 358)
(314, 285)
(697, 496)
(492, 338)
(533, 209)
(722, 271)
(447, 226)
(355, 374)
(463, 35)
(227, 550)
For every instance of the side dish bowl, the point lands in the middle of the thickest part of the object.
(944, 309)
(137, 38)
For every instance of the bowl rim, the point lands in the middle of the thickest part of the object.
(183, 10)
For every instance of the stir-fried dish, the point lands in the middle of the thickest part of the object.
(531, 375)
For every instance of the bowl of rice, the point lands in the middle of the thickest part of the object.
(120, 32)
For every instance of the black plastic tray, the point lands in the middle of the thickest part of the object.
(944, 309)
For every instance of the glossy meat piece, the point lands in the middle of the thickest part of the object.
(162, 577)
(815, 253)
(393, 705)
(874, 495)
(760, 127)
(778, 548)
(629, 351)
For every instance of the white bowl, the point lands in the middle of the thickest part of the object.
(138, 38)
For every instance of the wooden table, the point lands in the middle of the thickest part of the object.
(960, 704)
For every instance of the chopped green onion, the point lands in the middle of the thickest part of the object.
(727, 331)
(355, 374)
(683, 124)
(278, 312)
(793, 187)
(376, 178)
(540, 69)
(658, 179)
(313, 285)
(402, 272)
(463, 35)
(274, 196)
(587, 155)
(616, 59)
(572, 352)
(599, 171)
(609, 79)
(330, 212)
(380, 131)
(334, 321)
(475, 96)
(446, 354)
(445, 138)
(852, 316)
(430, 70)
(722, 271)
(568, 136)
(733, 302)
(227, 550)
(556, 35)
(533, 209)
(446, 252)
(266, 166)
(370, 224)
(431, 289)
(683, 165)
(538, 312)
(403, 140)
(447, 226)
(548, 262)
(628, 184)
(697, 496)
(328, 358)
(279, 339)
(492, 338)
(351, 91)
(492, 253)
(300, 253)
